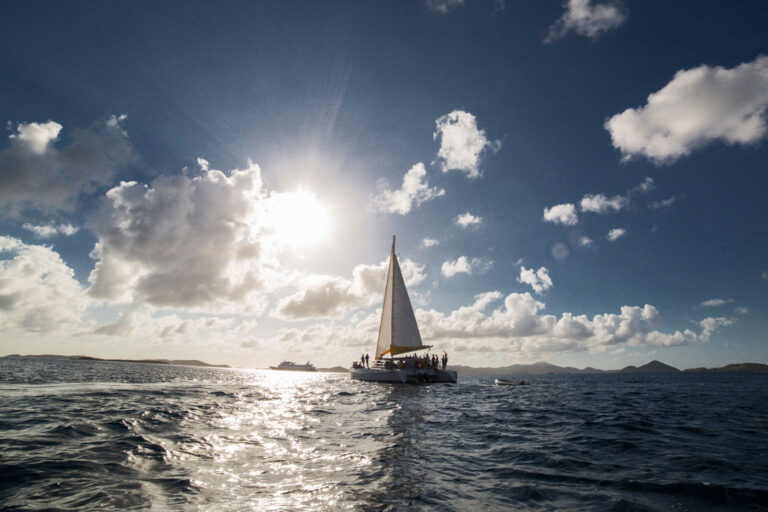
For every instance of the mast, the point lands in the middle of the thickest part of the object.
(385, 327)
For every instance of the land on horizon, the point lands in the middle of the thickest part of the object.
(539, 368)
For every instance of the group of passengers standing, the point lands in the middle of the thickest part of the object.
(417, 362)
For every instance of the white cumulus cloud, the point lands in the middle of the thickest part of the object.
(467, 219)
(539, 280)
(711, 324)
(586, 19)
(414, 191)
(461, 143)
(698, 106)
(461, 265)
(599, 203)
(561, 214)
(519, 325)
(464, 265)
(616, 233)
(37, 136)
(38, 291)
(429, 242)
(49, 230)
(184, 242)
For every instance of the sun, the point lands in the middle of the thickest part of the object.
(297, 218)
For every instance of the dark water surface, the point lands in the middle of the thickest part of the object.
(80, 435)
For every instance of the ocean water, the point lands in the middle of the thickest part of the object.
(79, 435)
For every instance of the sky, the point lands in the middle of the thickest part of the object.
(579, 182)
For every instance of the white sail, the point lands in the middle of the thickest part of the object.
(398, 332)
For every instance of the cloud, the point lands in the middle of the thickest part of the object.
(49, 230)
(444, 6)
(561, 214)
(459, 266)
(586, 19)
(741, 310)
(35, 175)
(36, 136)
(467, 219)
(429, 242)
(344, 335)
(464, 265)
(664, 203)
(518, 325)
(711, 303)
(711, 324)
(414, 191)
(329, 297)
(699, 106)
(616, 233)
(585, 241)
(38, 291)
(646, 186)
(141, 322)
(461, 143)
(198, 243)
(764, 275)
(599, 203)
(333, 296)
(539, 280)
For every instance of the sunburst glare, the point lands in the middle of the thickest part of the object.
(297, 218)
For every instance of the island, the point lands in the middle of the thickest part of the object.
(177, 362)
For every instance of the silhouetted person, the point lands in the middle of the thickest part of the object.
(362, 361)
(366, 360)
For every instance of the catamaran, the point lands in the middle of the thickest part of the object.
(399, 334)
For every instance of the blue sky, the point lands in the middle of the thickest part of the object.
(580, 182)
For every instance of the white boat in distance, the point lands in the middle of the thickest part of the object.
(399, 334)
(293, 367)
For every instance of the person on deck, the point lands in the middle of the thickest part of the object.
(362, 361)
(445, 360)
(366, 360)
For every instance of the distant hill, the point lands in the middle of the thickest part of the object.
(179, 362)
(738, 367)
(652, 367)
(539, 368)
(335, 369)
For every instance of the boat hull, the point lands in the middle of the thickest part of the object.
(505, 382)
(404, 376)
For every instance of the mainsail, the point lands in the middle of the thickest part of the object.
(398, 332)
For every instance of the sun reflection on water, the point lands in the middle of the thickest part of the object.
(275, 443)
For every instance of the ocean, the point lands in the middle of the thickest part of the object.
(86, 435)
